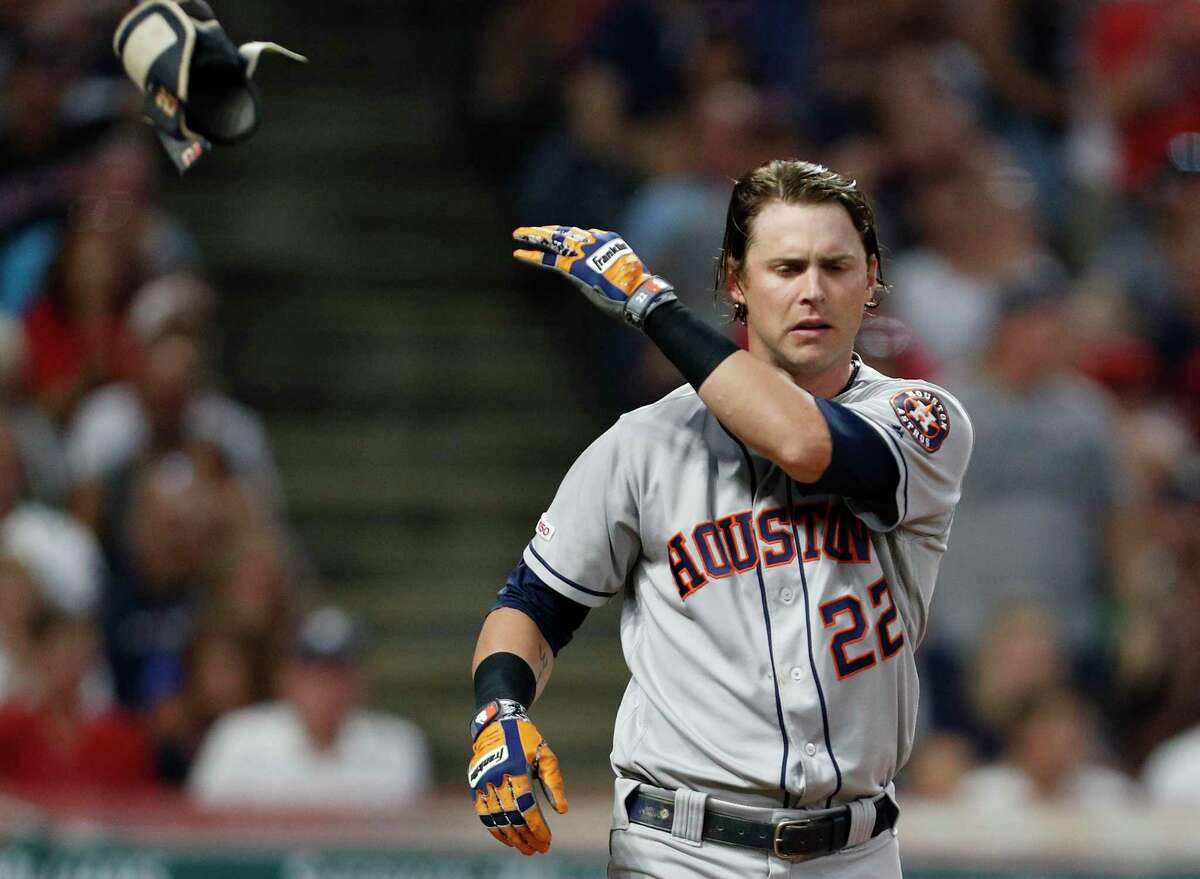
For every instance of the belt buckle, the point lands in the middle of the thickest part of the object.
(798, 856)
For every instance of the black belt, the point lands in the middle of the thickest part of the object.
(799, 838)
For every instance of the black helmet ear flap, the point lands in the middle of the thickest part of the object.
(197, 83)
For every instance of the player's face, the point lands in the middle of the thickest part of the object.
(805, 282)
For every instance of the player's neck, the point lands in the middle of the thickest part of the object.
(828, 382)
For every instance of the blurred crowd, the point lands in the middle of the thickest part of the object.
(1035, 169)
(159, 629)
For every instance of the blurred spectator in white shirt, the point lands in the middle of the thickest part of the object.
(1051, 759)
(170, 402)
(316, 748)
(976, 216)
(937, 766)
(60, 554)
(1171, 775)
(219, 678)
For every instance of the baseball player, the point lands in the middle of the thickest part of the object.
(775, 527)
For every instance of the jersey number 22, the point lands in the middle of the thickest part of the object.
(846, 659)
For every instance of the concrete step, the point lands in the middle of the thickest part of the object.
(444, 487)
(453, 314)
(445, 547)
(429, 679)
(419, 608)
(473, 439)
(316, 375)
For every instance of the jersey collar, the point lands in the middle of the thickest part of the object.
(855, 365)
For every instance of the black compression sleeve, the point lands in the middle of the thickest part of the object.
(693, 346)
(504, 676)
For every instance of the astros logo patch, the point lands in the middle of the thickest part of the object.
(923, 415)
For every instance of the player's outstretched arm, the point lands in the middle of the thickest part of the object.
(757, 402)
(511, 666)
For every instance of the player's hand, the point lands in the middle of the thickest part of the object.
(509, 754)
(599, 263)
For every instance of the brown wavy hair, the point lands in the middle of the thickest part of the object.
(791, 181)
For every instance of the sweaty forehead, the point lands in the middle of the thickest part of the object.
(804, 230)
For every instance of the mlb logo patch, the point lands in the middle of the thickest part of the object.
(923, 416)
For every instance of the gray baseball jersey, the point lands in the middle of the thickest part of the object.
(769, 631)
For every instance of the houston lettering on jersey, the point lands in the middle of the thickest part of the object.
(718, 548)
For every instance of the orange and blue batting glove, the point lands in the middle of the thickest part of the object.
(509, 753)
(599, 263)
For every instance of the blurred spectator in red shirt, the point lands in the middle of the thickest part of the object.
(1146, 57)
(1153, 263)
(110, 190)
(20, 605)
(75, 333)
(52, 744)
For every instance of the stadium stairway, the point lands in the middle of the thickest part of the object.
(421, 417)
